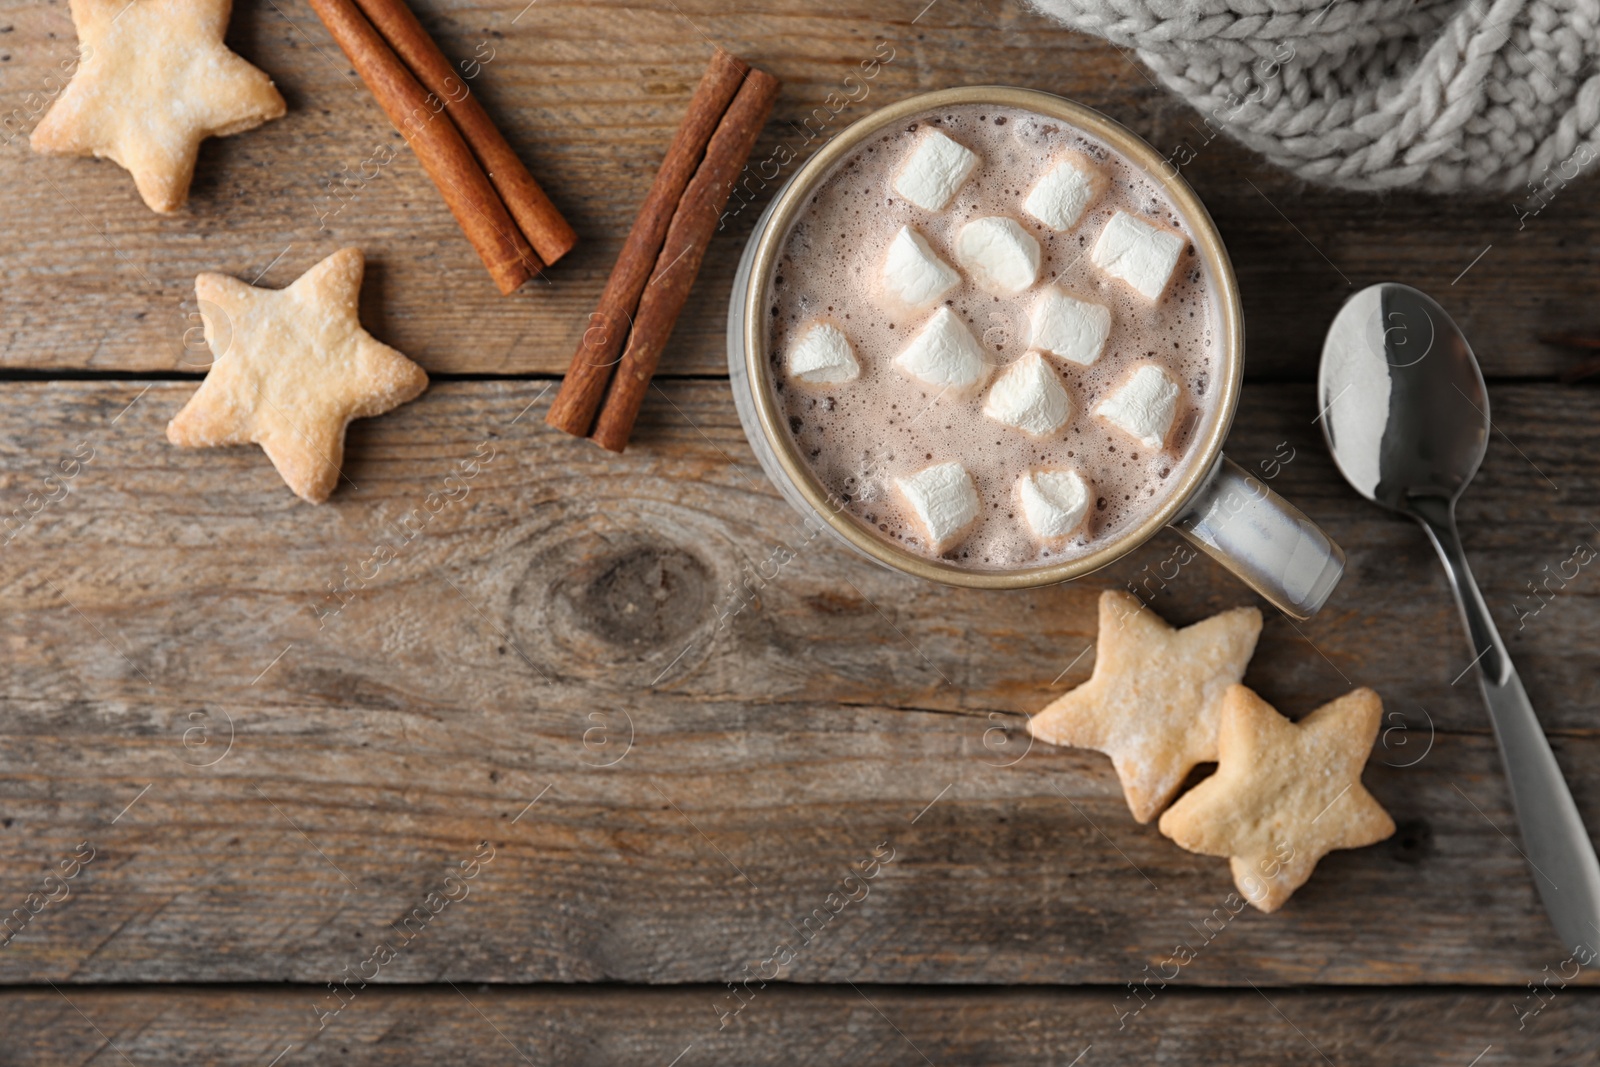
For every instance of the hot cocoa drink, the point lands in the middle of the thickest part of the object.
(993, 339)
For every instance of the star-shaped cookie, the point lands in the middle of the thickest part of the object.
(154, 80)
(292, 368)
(1285, 794)
(1153, 700)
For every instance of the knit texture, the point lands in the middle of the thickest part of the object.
(1441, 95)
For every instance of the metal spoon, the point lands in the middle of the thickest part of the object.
(1406, 417)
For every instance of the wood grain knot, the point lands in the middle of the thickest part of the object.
(1412, 841)
(645, 597)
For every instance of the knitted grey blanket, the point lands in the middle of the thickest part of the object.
(1375, 94)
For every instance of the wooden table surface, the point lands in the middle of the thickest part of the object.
(674, 756)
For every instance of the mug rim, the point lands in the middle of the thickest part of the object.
(1208, 242)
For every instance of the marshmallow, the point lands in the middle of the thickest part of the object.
(944, 353)
(1029, 396)
(1070, 328)
(944, 499)
(1140, 253)
(1058, 200)
(935, 170)
(1000, 255)
(914, 273)
(823, 357)
(1144, 406)
(1053, 501)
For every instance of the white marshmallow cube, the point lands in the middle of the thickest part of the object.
(823, 357)
(1140, 253)
(1073, 329)
(913, 272)
(944, 499)
(934, 171)
(1001, 256)
(1053, 501)
(1144, 406)
(944, 354)
(1030, 397)
(1060, 197)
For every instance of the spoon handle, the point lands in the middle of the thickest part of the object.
(1558, 847)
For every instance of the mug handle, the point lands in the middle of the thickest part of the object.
(1263, 539)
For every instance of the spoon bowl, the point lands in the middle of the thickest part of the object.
(1404, 407)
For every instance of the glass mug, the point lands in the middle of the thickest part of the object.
(1226, 512)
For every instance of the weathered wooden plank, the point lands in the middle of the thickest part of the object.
(571, 598)
(589, 93)
(786, 1025)
(708, 845)
(659, 570)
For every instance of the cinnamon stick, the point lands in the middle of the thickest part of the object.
(433, 136)
(540, 222)
(679, 262)
(575, 405)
